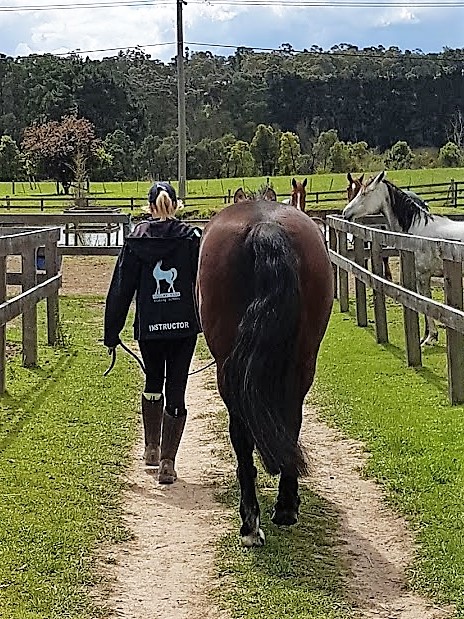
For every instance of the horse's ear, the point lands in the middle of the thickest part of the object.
(293, 183)
(305, 182)
(379, 178)
(239, 195)
(349, 177)
(361, 178)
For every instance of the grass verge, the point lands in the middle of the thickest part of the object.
(65, 435)
(416, 440)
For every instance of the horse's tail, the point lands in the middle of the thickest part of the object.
(260, 373)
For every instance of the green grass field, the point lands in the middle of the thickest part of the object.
(206, 196)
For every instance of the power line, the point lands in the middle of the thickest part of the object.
(99, 4)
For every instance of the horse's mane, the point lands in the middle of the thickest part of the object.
(406, 209)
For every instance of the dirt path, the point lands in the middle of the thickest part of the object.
(167, 568)
(166, 571)
(376, 543)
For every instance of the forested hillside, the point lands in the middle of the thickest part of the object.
(373, 95)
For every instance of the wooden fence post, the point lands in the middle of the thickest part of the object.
(52, 268)
(333, 247)
(343, 275)
(452, 272)
(2, 327)
(361, 299)
(380, 309)
(411, 318)
(29, 318)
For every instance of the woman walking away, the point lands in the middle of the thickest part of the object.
(158, 263)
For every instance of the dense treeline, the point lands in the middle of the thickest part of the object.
(374, 96)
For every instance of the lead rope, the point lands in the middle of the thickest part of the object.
(140, 362)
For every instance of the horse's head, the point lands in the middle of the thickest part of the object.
(354, 186)
(370, 199)
(240, 196)
(298, 195)
(270, 195)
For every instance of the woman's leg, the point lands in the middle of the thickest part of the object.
(178, 357)
(154, 359)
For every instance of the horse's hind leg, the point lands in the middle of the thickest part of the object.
(288, 501)
(242, 443)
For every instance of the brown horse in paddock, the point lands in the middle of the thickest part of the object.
(265, 193)
(298, 195)
(265, 293)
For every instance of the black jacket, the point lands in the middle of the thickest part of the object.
(158, 263)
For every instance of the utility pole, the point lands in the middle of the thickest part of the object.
(182, 128)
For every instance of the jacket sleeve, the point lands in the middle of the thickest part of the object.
(122, 289)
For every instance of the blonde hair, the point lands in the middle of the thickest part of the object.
(164, 207)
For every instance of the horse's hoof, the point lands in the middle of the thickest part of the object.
(167, 473)
(284, 518)
(152, 455)
(253, 539)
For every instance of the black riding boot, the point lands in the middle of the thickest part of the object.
(173, 428)
(152, 413)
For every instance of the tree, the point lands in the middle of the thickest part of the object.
(340, 157)
(10, 159)
(456, 130)
(265, 149)
(121, 148)
(52, 147)
(399, 156)
(450, 155)
(290, 153)
(322, 147)
(241, 162)
(359, 156)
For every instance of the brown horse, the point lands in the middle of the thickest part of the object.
(354, 187)
(265, 193)
(298, 195)
(265, 293)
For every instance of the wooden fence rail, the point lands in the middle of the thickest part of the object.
(25, 243)
(450, 193)
(450, 313)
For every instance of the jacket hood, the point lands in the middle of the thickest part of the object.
(154, 240)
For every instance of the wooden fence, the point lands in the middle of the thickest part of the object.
(25, 243)
(450, 194)
(450, 313)
(115, 226)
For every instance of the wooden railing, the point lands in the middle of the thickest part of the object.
(450, 313)
(449, 194)
(26, 243)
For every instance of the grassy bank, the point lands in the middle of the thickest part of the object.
(65, 432)
(416, 439)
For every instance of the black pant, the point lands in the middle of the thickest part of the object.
(168, 359)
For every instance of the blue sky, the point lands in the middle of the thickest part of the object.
(60, 30)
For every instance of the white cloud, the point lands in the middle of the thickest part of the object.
(398, 16)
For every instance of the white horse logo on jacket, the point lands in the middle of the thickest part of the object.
(168, 276)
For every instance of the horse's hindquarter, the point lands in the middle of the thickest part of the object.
(226, 277)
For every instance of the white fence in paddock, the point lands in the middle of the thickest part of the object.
(450, 313)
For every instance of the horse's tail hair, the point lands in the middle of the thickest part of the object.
(260, 373)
